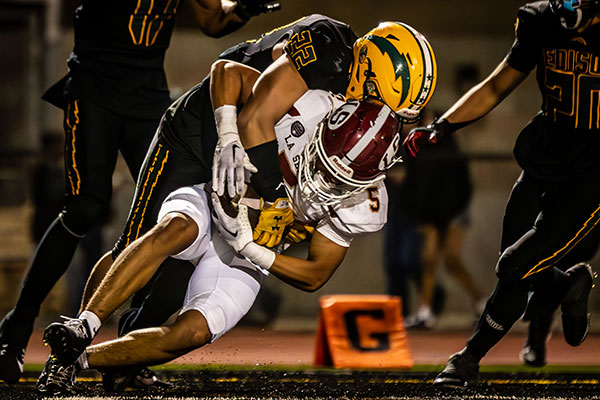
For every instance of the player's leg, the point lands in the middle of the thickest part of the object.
(152, 346)
(98, 273)
(162, 172)
(131, 270)
(217, 297)
(452, 250)
(90, 155)
(530, 263)
(424, 316)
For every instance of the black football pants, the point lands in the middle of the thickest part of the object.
(547, 228)
(93, 138)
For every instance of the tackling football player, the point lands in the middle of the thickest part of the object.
(181, 129)
(550, 226)
(333, 164)
(313, 52)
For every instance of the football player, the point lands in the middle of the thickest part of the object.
(113, 98)
(190, 129)
(550, 226)
(394, 64)
(333, 165)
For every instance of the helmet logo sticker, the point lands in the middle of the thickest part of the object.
(343, 168)
(399, 60)
(297, 129)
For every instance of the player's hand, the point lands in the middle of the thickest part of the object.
(423, 135)
(299, 232)
(230, 163)
(247, 9)
(236, 230)
(273, 219)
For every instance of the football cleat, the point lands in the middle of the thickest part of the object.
(12, 358)
(534, 350)
(56, 379)
(575, 318)
(68, 339)
(12, 353)
(461, 371)
(117, 380)
(422, 319)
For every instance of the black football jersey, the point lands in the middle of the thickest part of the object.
(562, 143)
(130, 32)
(321, 49)
(118, 56)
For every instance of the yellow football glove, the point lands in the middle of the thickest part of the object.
(299, 232)
(273, 219)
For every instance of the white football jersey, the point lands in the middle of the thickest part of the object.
(364, 212)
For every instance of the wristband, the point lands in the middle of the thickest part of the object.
(226, 119)
(259, 255)
(444, 126)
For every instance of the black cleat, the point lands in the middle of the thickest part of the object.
(56, 379)
(575, 317)
(12, 352)
(461, 371)
(533, 353)
(532, 357)
(12, 358)
(117, 380)
(68, 340)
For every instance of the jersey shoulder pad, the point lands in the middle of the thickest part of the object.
(321, 50)
(531, 19)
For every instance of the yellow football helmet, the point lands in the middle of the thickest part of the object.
(395, 64)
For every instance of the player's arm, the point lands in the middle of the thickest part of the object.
(274, 94)
(231, 83)
(217, 18)
(483, 97)
(306, 274)
(475, 104)
(324, 256)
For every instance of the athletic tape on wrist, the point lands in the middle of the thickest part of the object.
(226, 119)
(259, 255)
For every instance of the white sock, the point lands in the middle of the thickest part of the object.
(93, 321)
(82, 361)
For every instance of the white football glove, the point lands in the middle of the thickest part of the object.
(237, 232)
(230, 161)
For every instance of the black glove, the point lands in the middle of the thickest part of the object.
(247, 9)
(424, 135)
